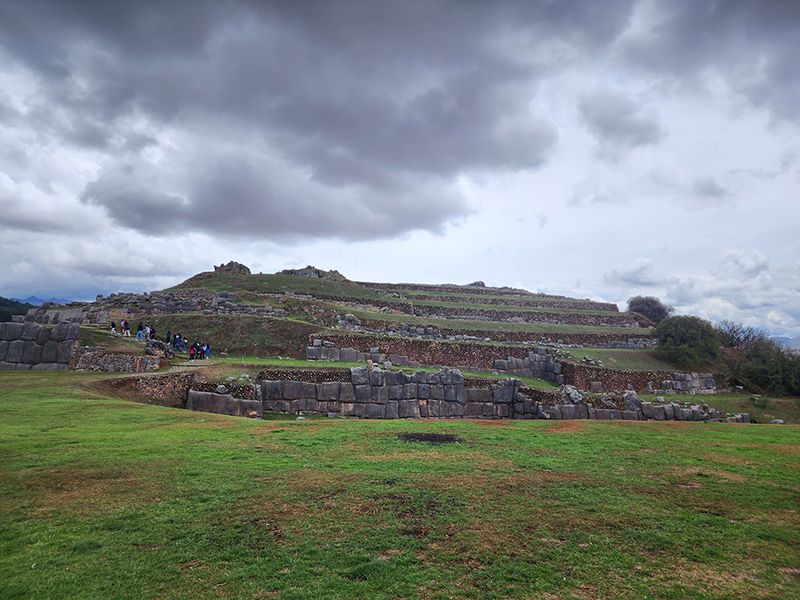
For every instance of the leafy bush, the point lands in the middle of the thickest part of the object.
(686, 341)
(649, 306)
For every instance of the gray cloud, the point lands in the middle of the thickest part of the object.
(751, 45)
(617, 122)
(709, 187)
(237, 193)
(639, 274)
(372, 103)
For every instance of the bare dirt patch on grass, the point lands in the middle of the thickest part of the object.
(706, 472)
(92, 489)
(565, 427)
(429, 438)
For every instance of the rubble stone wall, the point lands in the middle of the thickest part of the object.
(521, 301)
(656, 382)
(539, 364)
(94, 359)
(426, 352)
(609, 319)
(170, 387)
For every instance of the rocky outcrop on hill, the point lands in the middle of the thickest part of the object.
(232, 267)
(315, 273)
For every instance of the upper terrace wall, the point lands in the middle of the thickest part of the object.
(531, 302)
(136, 306)
(526, 316)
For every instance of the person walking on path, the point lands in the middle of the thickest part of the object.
(140, 333)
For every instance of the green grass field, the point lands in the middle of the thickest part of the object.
(622, 359)
(101, 498)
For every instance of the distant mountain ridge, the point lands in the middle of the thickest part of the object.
(38, 301)
(791, 342)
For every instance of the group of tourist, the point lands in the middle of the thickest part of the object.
(178, 342)
(199, 351)
(124, 327)
(143, 332)
(196, 350)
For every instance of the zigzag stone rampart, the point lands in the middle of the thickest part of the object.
(373, 393)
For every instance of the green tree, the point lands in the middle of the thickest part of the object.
(12, 307)
(686, 341)
(649, 306)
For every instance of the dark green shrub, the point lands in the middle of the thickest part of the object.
(649, 306)
(686, 341)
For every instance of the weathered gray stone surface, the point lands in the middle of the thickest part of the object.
(15, 351)
(223, 404)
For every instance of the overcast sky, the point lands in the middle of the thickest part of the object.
(591, 149)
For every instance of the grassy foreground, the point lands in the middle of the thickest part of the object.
(100, 498)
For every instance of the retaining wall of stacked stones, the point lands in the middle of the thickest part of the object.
(241, 391)
(169, 387)
(223, 404)
(136, 306)
(29, 345)
(93, 359)
(378, 394)
(540, 364)
(522, 301)
(523, 337)
(427, 352)
(520, 316)
(373, 393)
(598, 379)
(456, 289)
(312, 375)
(324, 350)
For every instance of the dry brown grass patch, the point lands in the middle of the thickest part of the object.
(565, 427)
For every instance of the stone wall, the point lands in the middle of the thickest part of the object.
(598, 379)
(423, 352)
(377, 394)
(138, 306)
(609, 319)
(373, 393)
(325, 350)
(539, 364)
(223, 404)
(172, 388)
(241, 391)
(455, 289)
(28, 345)
(531, 302)
(95, 359)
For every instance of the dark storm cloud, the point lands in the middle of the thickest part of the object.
(617, 122)
(237, 194)
(380, 105)
(751, 44)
